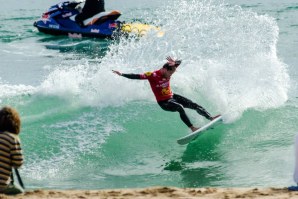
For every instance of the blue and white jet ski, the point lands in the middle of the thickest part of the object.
(60, 20)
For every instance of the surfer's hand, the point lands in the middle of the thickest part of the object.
(171, 61)
(117, 72)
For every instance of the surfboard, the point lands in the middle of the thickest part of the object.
(188, 138)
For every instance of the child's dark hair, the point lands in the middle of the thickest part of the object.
(10, 120)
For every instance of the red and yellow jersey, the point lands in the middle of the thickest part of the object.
(159, 85)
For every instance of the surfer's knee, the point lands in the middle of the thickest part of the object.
(180, 109)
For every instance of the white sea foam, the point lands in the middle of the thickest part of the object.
(8, 90)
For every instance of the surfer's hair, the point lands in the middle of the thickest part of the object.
(168, 67)
(10, 120)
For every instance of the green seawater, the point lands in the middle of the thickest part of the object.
(83, 127)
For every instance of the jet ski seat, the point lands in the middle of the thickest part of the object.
(102, 17)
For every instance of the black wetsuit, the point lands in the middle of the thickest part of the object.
(178, 103)
(91, 8)
(173, 102)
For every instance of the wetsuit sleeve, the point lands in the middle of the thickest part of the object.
(146, 75)
(132, 76)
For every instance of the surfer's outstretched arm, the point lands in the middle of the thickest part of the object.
(129, 76)
(117, 72)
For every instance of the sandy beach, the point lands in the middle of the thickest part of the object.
(161, 192)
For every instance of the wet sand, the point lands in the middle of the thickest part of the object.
(160, 192)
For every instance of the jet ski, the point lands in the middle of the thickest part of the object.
(59, 19)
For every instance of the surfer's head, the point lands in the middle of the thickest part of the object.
(170, 67)
(172, 64)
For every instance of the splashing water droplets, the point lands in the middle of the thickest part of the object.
(229, 59)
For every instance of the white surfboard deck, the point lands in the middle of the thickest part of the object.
(186, 139)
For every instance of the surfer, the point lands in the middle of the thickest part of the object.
(160, 84)
(91, 8)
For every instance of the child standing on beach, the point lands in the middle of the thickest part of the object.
(10, 149)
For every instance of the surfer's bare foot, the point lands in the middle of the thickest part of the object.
(193, 128)
(213, 118)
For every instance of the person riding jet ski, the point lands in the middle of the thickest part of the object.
(91, 8)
